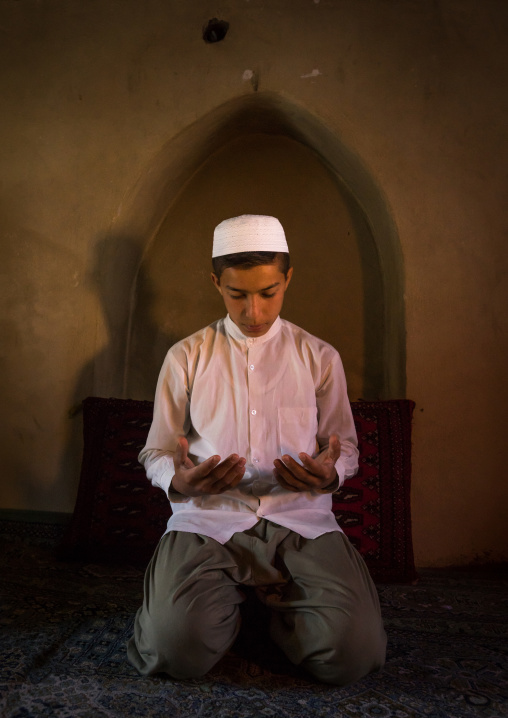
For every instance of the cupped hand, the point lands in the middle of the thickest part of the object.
(317, 474)
(212, 476)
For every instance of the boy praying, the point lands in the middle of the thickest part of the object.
(252, 433)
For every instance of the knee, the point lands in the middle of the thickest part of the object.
(195, 639)
(350, 653)
(184, 641)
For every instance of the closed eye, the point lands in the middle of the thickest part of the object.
(265, 295)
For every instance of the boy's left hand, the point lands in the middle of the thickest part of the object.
(315, 475)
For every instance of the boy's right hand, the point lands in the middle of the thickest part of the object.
(212, 476)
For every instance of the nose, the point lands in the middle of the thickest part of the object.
(253, 309)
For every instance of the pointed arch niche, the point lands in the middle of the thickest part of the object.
(260, 155)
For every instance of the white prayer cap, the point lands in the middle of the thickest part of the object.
(249, 233)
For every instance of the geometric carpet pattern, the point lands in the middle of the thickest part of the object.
(63, 628)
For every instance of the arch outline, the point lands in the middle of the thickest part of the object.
(146, 205)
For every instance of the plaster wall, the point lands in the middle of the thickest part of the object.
(97, 101)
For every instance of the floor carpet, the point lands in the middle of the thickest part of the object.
(63, 628)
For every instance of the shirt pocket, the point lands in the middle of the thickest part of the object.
(297, 431)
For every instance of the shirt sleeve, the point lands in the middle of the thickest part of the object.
(335, 417)
(170, 421)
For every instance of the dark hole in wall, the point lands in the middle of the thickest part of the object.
(215, 30)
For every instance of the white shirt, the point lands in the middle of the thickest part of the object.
(281, 393)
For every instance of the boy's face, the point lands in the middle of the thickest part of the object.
(253, 297)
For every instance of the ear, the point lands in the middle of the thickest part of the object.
(216, 281)
(288, 277)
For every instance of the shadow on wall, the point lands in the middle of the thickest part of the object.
(257, 154)
(112, 287)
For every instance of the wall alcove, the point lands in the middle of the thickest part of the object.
(257, 154)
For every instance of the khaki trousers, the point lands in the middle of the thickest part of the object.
(323, 604)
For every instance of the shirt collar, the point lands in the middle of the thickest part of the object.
(237, 334)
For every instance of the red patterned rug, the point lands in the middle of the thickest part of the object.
(119, 516)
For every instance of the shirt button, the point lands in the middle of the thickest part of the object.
(253, 412)
(256, 461)
(251, 367)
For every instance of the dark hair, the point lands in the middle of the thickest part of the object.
(246, 260)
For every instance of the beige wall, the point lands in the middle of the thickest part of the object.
(115, 115)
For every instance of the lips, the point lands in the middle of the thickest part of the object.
(254, 328)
